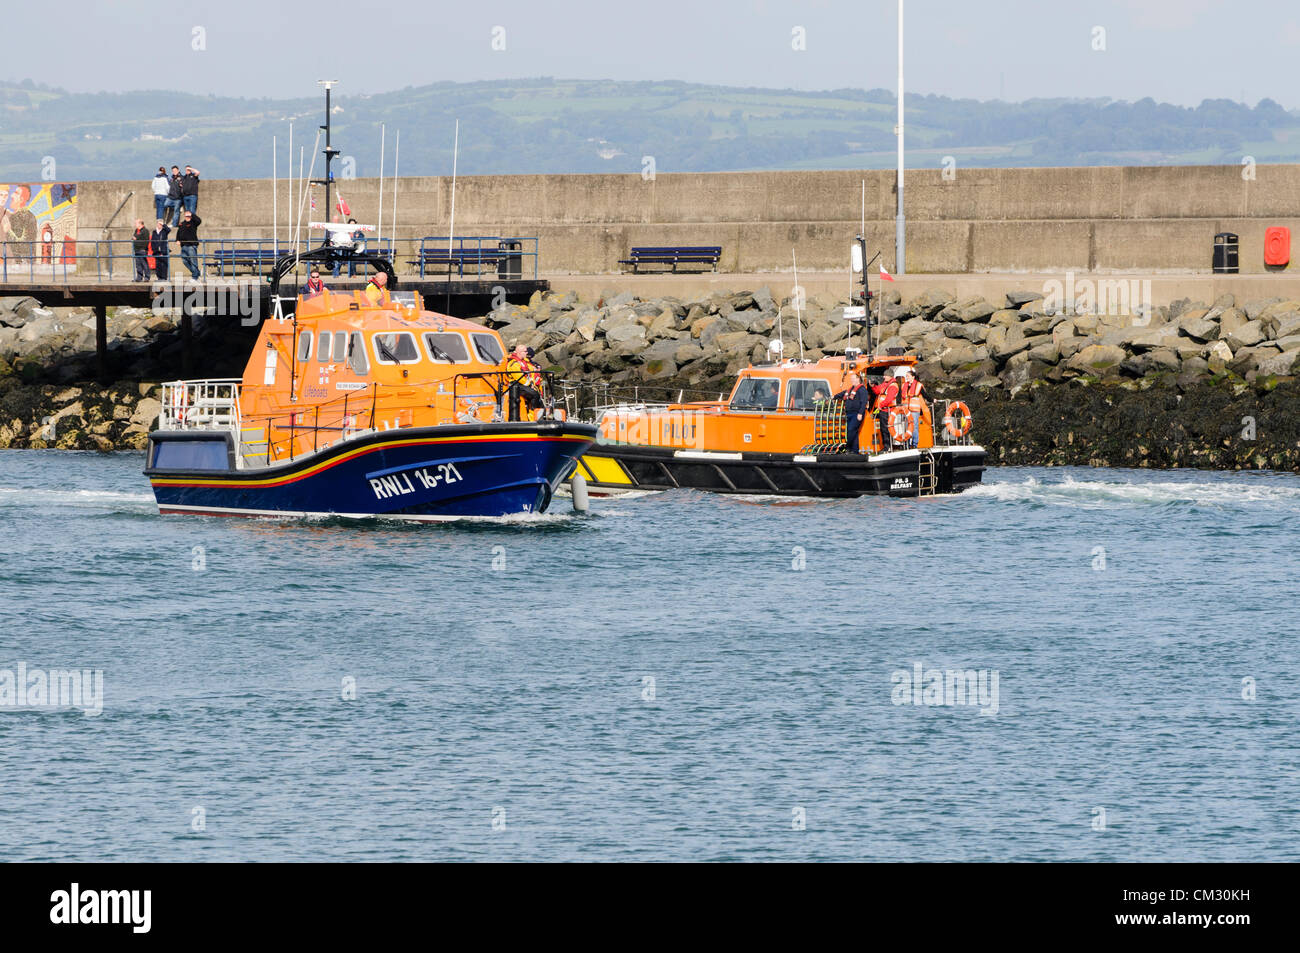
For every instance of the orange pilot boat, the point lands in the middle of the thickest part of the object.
(784, 431)
(359, 407)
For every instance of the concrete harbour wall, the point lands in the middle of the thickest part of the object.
(1158, 220)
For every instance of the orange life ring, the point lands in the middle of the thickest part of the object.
(900, 426)
(957, 420)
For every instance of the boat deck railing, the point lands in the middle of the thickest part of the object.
(201, 405)
(262, 440)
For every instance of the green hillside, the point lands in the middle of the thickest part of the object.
(549, 125)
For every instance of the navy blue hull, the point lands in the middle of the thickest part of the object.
(427, 472)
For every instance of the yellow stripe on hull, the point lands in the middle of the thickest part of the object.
(605, 470)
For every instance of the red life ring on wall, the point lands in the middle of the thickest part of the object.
(1277, 245)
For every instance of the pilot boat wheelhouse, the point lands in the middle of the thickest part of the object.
(357, 409)
(782, 432)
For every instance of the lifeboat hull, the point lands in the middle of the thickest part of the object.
(418, 473)
(611, 470)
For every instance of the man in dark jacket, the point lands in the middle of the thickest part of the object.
(857, 400)
(158, 249)
(190, 189)
(187, 233)
(140, 250)
(174, 193)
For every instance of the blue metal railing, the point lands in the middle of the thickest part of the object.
(114, 259)
(503, 253)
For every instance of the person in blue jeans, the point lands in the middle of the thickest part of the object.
(190, 189)
(173, 216)
(187, 233)
(161, 186)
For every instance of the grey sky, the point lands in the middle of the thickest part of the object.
(1179, 51)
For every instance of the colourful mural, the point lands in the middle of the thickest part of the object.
(38, 224)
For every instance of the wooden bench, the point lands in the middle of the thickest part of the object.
(432, 257)
(673, 255)
(255, 259)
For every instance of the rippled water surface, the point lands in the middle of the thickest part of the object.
(656, 679)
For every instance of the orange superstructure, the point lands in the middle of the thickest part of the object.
(340, 364)
(789, 428)
(773, 408)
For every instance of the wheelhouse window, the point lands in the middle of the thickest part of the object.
(304, 345)
(323, 347)
(396, 347)
(446, 347)
(757, 393)
(340, 345)
(488, 348)
(805, 394)
(357, 359)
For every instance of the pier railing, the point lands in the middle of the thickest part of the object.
(115, 259)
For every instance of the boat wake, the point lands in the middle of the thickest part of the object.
(27, 497)
(1097, 494)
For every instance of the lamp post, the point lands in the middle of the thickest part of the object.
(900, 222)
(330, 151)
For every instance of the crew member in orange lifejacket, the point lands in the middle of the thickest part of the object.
(856, 402)
(910, 399)
(521, 375)
(886, 393)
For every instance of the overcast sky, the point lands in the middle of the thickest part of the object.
(1179, 51)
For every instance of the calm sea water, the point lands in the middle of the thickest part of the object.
(656, 679)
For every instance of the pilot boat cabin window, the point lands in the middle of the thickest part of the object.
(804, 394)
(340, 345)
(757, 393)
(446, 347)
(488, 348)
(357, 359)
(323, 347)
(304, 345)
(396, 347)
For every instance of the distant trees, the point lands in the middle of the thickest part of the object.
(549, 125)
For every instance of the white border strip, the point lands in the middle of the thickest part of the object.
(706, 455)
(177, 508)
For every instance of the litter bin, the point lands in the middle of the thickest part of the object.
(512, 265)
(1225, 253)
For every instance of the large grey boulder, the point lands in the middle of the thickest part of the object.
(1018, 299)
(1097, 359)
(1279, 364)
(1255, 308)
(931, 302)
(1200, 328)
(1248, 335)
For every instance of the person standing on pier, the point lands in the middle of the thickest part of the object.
(158, 249)
(161, 186)
(190, 189)
(140, 250)
(187, 233)
(173, 197)
(358, 246)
